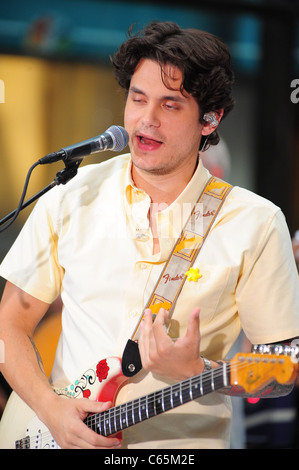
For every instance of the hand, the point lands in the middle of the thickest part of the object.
(161, 355)
(65, 422)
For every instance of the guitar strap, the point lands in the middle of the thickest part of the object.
(177, 268)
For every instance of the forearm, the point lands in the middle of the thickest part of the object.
(23, 368)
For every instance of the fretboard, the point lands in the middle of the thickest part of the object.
(125, 415)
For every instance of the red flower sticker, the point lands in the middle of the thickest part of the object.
(102, 370)
(86, 393)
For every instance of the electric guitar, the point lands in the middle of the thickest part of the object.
(252, 372)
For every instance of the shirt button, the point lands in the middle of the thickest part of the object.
(143, 266)
(133, 313)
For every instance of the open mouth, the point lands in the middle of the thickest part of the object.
(147, 142)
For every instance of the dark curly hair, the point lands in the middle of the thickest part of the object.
(203, 59)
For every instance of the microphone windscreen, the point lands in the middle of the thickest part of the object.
(119, 136)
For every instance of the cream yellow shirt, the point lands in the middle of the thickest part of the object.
(90, 241)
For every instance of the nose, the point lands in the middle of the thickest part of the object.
(150, 116)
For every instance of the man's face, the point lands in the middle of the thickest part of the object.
(163, 124)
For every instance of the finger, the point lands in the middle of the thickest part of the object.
(92, 406)
(148, 319)
(87, 438)
(145, 334)
(160, 326)
(162, 317)
(147, 326)
(193, 332)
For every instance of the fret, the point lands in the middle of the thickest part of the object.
(155, 405)
(108, 421)
(171, 400)
(114, 421)
(131, 418)
(159, 402)
(133, 415)
(127, 423)
(143, 410)
(162, 401)
(220, 379)
(105, 429)
(135, 411)
(123, 416)
(166, 400)
(175, 397)
(119, 425)
(100, 424)
(139, 411)
(201, 386)
(212, 381)
(181, 396)
(190, 390)
(185, 391)
(225, 374)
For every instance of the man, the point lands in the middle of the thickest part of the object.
(101, 241)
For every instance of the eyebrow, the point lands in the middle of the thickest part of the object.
(177, 98)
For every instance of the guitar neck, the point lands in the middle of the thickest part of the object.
(128, 414)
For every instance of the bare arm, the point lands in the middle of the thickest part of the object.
(20, 313)
(19, 316)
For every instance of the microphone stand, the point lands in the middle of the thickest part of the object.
(62, 177)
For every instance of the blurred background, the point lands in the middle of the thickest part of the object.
(57, 88)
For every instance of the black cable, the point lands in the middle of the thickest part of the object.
(62, 177)
(19, 208)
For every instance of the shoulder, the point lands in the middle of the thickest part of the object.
(245, 198)
(247, 205)
(99, 172)
(251, 217)
(84, 191)
(92, 178)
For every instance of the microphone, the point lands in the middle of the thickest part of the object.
(115, 138)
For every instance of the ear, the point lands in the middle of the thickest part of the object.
(212, 120)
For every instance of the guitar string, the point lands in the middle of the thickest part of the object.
(201, 379)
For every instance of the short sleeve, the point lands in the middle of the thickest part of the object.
(267, 294)
(32, 262)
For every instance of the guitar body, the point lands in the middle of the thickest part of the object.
(101, 383)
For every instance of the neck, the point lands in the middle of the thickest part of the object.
(163, 188)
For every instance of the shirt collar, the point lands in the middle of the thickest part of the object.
(190, 194)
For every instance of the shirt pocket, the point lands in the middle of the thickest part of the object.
(212, 293)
